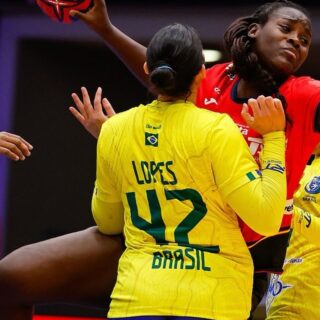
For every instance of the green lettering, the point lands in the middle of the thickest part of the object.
(146, 171)
(136, 173)
(186, 251)
(157, 227)
(198, 259)
(157, 260)
(174, 181)
(167, 257)
(153, 170)
(203, 262)
(178, 255)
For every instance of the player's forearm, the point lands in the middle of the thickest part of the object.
(306, 224)
(261, 202)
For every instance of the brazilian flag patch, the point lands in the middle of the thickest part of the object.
(254, 175)
(151, 139)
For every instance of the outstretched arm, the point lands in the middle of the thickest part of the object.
(132, 54)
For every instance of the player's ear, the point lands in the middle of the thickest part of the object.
(201, 74)
(254, 30)
(145, 68)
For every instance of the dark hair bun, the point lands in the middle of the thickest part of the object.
(163, 78)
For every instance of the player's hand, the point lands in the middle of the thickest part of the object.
(91, 116)
(267, 114)
(14, 147)
(96, 18)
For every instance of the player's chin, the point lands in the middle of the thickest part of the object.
(285, 68)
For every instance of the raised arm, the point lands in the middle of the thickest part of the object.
(132, 53)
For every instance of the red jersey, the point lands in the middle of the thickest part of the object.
(218, 92)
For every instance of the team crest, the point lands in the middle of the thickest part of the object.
(313, 187)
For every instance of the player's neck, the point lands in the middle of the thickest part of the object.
(190, 97)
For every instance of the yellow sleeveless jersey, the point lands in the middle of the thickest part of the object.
(185, 255)
(295, 294)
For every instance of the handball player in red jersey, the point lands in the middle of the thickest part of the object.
(266, 48)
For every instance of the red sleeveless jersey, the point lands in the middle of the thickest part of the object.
(218, 92)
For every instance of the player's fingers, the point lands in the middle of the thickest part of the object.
(278, 104)
(97, 100)
(85, 96)
(108, 107)
(10, 148)
(77, 115)
(280, 113)
(246, 115)
(9, 154)
(16, 144)
(254, 105)
(79, 104)
(270, 104)
(25, 142)
(76, 14)
(263, 105)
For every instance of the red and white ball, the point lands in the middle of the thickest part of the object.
(58, 10)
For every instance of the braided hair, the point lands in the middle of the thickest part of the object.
(240, 46)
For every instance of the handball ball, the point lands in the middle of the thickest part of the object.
(58, 10)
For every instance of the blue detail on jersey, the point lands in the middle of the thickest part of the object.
(277, 286)
(313, 187)
(275, 167)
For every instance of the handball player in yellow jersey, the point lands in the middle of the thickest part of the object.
(171, 177)
(295, 294)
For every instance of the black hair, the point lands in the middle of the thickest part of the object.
(240, 46)
(174, 58)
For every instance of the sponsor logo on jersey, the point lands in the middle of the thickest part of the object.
(309, 199)
(275, 288)
(313, 187)
(288, 209)
(217, 90)
(208, 101)
(293, 261)
(151, 139)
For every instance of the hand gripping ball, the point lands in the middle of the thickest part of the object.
(58, 10)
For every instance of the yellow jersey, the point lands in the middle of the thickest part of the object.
(295, 294)
(167, 169)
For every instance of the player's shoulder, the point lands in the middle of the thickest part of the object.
(119, 121)
(219, 68)
(302, 85)
(212, 120)
(123, 116)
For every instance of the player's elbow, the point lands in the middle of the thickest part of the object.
(268, 224)
(267, 229)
